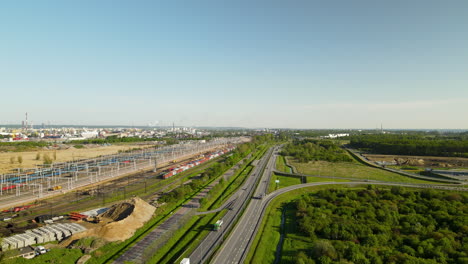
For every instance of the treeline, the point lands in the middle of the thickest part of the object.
(116, 139)
(412, 145)
(383, 226)
(311, 150)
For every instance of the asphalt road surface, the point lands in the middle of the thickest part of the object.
(236, 202)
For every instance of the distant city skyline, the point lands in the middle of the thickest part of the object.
(256, 64)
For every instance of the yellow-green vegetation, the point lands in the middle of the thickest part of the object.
(284, 181)
(281, 164)
(351, 169)
(411, 169)
(320, 179)
(54, 256)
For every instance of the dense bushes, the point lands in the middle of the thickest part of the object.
(383, 226)
(309, 150)
(21, 146)
(412, 145)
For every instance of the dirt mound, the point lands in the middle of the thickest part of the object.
(119, 211)
(421, 161)
(128, 217)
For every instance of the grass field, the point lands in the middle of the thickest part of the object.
(29, 157)
(281, 164)
(284, 181)
(350, 170)
(319, 179)
(54, 256)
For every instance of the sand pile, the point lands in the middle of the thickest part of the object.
(128, 216)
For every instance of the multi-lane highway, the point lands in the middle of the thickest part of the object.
(234, 249)
(236, 205)
(237, 245)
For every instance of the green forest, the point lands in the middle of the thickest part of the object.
(311, 150)
(454, 146)
(376, 225)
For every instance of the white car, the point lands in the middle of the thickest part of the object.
(41, 250)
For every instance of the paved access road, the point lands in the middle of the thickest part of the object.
(236, 204)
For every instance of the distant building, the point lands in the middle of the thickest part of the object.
(337, 135)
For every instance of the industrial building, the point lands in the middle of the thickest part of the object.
(48, 233)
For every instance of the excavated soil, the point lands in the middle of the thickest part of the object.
(119, 222)
(423, 161)
(119, 211)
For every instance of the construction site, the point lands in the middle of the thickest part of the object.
(73, 187)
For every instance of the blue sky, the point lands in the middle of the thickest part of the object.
(297, 64)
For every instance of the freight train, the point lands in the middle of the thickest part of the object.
(69, 169)
(185, 166)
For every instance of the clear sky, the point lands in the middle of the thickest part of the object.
(297, 64)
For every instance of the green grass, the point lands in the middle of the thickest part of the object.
(319, 179)
(353, 169)
(281, 164)
(292, 243)
(54, 256)
(284, 181)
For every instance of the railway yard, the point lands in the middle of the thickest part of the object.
(100, 182)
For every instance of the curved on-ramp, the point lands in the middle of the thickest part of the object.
(229, 253)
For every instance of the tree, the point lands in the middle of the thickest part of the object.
(20, 160)
(38, 156)
(324, 248)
